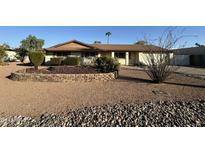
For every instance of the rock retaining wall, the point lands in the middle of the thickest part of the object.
(22, 76)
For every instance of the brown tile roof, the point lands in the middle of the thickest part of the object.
(65, 49)
(72, 41)
(104, 47)
(127, 47)
(62, 46)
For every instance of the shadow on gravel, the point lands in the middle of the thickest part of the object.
(8, 77)
(134, 79)
(24, 64)
(187, 85)
(141, 80)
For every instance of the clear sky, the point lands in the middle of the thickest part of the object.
(88, 34)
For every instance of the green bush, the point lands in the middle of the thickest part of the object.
(36, 58)
(21, 54)
(71, 61)
(106, 64)
(56, 61)
(2, 54)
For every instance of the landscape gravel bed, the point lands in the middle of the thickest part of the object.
(63, 70)
(151, 114)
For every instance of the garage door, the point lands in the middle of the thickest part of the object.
(182, 60)
(197, 60)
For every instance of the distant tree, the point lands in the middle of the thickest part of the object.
(199, 45)
(32, 43)
(108, 34)
(5, 46)
(141, 42)
(97, 42)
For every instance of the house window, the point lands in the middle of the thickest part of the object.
(62, 53)
(59, 53)
(120, 54)
(66, 54)
(89, 54)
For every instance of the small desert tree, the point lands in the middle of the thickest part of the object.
(29, 44)
(32, 43)
(158, 60)
(36, 58)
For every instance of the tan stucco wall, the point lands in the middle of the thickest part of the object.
(48, 58)
(145, 57)
(121, 61)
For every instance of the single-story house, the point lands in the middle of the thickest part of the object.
(127, 54)
(194, 56)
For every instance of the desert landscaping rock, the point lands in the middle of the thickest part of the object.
(23, 75)
(150, 114)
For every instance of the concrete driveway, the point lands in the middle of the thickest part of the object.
(192, 71)
(185, 70)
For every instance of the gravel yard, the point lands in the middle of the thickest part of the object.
(158, 114)
(32, 99)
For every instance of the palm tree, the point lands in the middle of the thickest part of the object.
(108, 36)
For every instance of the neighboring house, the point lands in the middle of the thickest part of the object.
(127, 54)
(11, 55)
(194, 56)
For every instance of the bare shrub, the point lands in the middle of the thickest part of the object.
(158, 67)
(159, 60)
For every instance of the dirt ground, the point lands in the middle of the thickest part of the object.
(133, 86)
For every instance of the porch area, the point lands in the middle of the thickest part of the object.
(126, 58)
